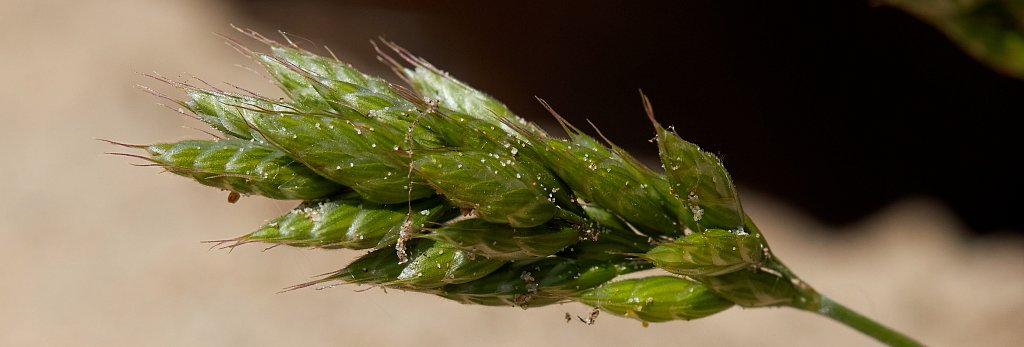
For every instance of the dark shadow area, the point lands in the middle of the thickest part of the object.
(838, 108)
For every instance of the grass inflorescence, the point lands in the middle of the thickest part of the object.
(456, 196)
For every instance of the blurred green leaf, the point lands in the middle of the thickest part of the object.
(992, 31)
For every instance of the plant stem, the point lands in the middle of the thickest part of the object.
(850, 318)
(808, 299)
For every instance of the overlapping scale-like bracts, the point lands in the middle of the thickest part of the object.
(656, 299)
(431, 265)
(502, 241)
(347, 221)
(457, 196)
(242, 166)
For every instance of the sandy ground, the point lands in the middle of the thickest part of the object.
(94, 252)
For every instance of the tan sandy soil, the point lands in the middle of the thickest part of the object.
(94, 252)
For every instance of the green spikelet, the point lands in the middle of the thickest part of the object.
(699, 180)
(333, 70)
(300, 90)
(361, 154)
(656, 299)
(356, 150)
(456, 96)
(760, 287)
(348, 221)
(443, 264)
(431, 265)
(617, 184)
(225, 112)
(377, 267)
(496, 159)
(710, 253)
(483, 183)
(535, 282)
(348, 91)
(501, 241)
(242, 166)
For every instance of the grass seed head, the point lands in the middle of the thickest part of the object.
(545, 220)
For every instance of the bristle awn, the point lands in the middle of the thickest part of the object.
(204, 82)
(235, 45)
(329, 51)
(136, 156)
(251, 93)
(122, 144)
(288, 39)
(395, 66)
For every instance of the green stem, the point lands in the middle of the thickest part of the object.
(843, 314)
(810, 300)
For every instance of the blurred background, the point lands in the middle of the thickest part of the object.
(873, 144)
